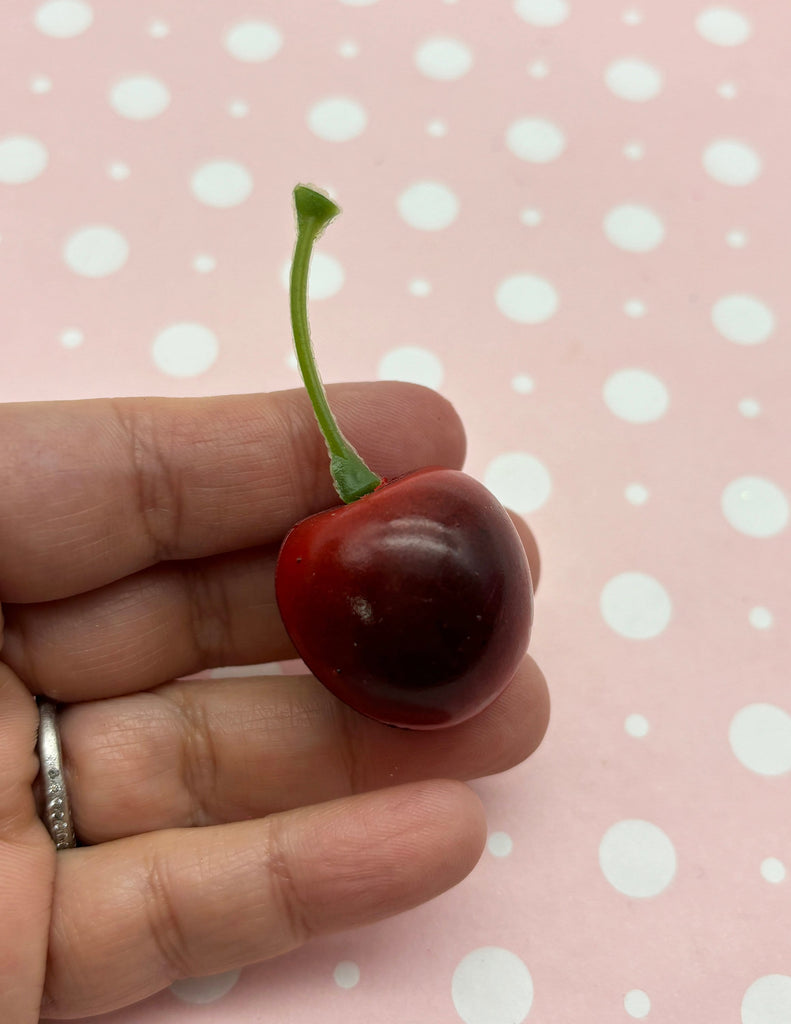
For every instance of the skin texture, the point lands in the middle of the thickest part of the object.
(138, 541)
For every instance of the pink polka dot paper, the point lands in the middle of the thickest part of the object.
(572, 219)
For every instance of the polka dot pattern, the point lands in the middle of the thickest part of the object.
(140, 97)
(570, 220)
(634, 228)
(492, 986)
(428, 206)
(96, 251)
(22, 159)
(221, 183)
(63, 19)
(337, 119)
(637, 858)
(632, 79)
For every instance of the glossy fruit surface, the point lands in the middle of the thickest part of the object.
(412, 604)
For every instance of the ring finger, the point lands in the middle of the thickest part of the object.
(210, 751)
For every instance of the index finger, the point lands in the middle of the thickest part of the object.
(91, 491)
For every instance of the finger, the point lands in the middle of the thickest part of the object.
(27, 858)
(172, 620)
(210, 751)
(93, 491)
(131, 917)
(530, 545)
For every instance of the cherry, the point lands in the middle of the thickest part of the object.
(413, 601)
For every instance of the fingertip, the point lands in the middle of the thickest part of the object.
(530, 545)
(428, 426)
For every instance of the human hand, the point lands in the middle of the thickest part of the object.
(138, 540)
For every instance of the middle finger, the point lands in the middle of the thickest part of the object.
(171, 620)
(209, 751)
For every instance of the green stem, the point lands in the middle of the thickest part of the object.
(351, 476)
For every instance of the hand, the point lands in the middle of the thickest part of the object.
(138, 540)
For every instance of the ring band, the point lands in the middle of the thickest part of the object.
(57, 812)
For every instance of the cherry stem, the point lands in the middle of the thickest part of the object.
(351, 476)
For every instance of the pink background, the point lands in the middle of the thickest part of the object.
(597, 275)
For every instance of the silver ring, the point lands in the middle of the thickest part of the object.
(57, 812)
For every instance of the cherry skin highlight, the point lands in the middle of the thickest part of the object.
(412, 604)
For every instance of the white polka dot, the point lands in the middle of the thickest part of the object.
(632, 17)
(337, 119)
(527, 299)
(634, 228)
(636, 494)
(96, 251)
(773, 870)
(158, 29)
(325, 276)
(636, 1003)
(743, 319)
(63, 19)
(723, 26)
(637, 858)
(118, 170)
(204, 990)
(238, 108)
(500, 844)
(634, 151)
(542, 12)
(22, 159)
(348, 49)
(413, 364)
(633, 79)
(755, 506)
(492, 986)
(428, 206)
(530, 217)
(139, 97)
(731, 162)
(72, 337)
(185, 349)
(636, 726)
(636, 396)
(727, 90)
(253, 41)
(760, 618)
(768, 1000)
(40, 84)
(443, 58)
(346, 974)
(437, 128)
(760, 737)
(419, 287)
(204, 263)
(749, 407)
(736, 239)
(221, 183)
(535, 140)
(635, 605)
(538, 69)
(523, 384)
(519, 481)
(634, 308)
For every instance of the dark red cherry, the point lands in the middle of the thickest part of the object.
(412, 604)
